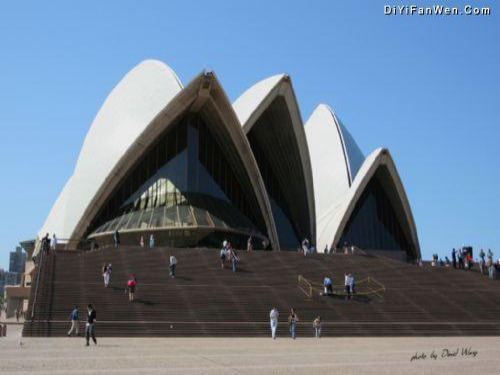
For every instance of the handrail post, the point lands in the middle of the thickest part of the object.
(42, 256)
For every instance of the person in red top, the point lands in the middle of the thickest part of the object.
(131, 285)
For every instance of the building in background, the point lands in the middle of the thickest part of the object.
(17, 285)
(17, 263)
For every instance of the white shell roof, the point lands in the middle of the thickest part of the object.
(335, 221)
(126, 112)
(253, 102)
(252, 98)
(334, 214)
(335, 156)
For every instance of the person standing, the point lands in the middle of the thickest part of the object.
(89, 326)
(481, 261)
(17, 313)
(454, 258)
(305, 246)
(46, 243)
(234, 258)
(352, 284)
(74, 322)
(347, 285)
(116, 239)
(53, 243)
(222, 257)
(273, 317)
(327, 283)
(250, 244)
(173, 263)
(460, 259)
(105, 274)
(292, 322)
(141, 242)
(131, 285)
(317, 327)
(151, 241)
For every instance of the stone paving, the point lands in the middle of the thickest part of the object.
(249, 356)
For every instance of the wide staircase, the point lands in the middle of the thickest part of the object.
(206, 300)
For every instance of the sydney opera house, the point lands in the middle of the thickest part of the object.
(184, 164)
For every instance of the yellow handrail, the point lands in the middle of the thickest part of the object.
(367, 282)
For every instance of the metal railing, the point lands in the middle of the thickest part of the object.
(305, 286)
(37, 282)
(364, 287)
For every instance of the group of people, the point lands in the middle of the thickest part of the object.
(306, 248)
(464, 260)
(349, 286)
(488, 266)
(461, 258)
(227, 253)
(293, 319)
(116, 240)
(89, 324)
(107, 269)
(48, 244)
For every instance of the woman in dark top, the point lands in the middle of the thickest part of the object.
(292, 322)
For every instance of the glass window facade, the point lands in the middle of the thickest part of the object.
(183, 181)
(374, 224)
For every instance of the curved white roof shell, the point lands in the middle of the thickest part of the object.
(251, 105)
(126, 112)
(336, 220)
(335, 159)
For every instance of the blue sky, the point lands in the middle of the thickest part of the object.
(425, 87)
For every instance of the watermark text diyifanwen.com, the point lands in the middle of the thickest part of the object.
(435, 10)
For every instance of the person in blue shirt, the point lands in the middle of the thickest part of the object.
(327, 283)
(74, 321)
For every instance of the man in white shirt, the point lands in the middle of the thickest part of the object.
(273, 316)
(347, 284)
(173, 263)
(53, 242)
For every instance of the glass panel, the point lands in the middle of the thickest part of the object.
(114, 224)
(201, 216)
(171, 216)
(145, 219)
(124, 222)
(157, 219)
(133, 222)
(185, 216)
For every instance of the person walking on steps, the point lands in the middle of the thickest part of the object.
(317, 327)
(105, 275)
(222, 257)
(292, 322)
(116, 239)
(74, 322)
(173, 263)
(273, 317)
(250, 244)
(328, 286)
(131, 285)
(234, 258)
(89, 326)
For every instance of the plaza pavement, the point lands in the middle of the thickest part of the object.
(247, 356)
